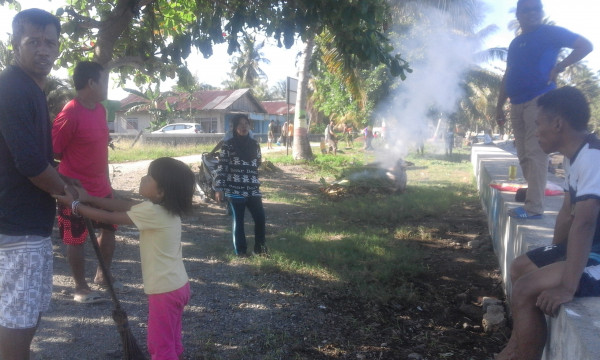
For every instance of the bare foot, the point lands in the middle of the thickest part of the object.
(508, 353)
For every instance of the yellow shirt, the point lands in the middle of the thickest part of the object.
(160, 248)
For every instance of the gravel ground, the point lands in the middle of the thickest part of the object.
(239, 310)
(231, 305)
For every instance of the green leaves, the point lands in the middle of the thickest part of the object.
(160, 35)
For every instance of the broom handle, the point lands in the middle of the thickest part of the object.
(105, 270)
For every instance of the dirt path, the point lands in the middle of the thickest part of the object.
(240, 312)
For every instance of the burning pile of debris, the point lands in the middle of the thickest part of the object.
(268, 167)
(368, 179)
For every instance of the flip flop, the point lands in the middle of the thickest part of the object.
(118, 287)
(89, 298)
(521, 213)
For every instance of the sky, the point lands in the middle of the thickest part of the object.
(577, 15)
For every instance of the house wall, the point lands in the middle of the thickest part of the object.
(215, 120)
(211, 120)
(131, 123)
(261, 121)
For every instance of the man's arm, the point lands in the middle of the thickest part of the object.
(581, 48)
(581, 237)
(563, 221)
(49, 181)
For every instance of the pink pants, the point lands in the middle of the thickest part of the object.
(164, 323)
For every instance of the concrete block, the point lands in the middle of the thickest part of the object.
(575, 332)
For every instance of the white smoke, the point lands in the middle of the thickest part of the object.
(439, 56)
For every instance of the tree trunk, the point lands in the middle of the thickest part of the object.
(301, 147)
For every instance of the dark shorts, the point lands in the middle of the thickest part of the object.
(589, 284)
(72, 228)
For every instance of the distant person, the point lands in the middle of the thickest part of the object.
(168, 189)
(420, 141)
(368, 137)
(270, 134)
(284, 133)
(237, 180)
(290, 134)
(531, 71)
(547, 277)
(348, 133)
(330, 139)
(449, 140)
(277, 132)
(487, 138)
(27, 178)
(80, 139)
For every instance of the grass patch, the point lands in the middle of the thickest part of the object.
(363, 243)
(366, 243)
(125, 152)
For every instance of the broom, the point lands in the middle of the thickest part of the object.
(131, 350)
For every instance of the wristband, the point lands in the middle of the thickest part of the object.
(75, 207)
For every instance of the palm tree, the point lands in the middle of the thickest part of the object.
(246, 66)
(58, 94)
(301, 146)
(478, 108)
(152, 99)
(189, 84)
(278, 90)
(465, 12)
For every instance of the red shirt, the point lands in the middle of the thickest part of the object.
(81, 136)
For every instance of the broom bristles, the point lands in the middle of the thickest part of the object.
(131, 350)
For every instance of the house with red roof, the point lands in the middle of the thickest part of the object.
(212, 109)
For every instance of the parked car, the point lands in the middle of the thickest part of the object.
(180, 128)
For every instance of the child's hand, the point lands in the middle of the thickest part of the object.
(83, 195)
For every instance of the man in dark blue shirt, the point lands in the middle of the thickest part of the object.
(531, 71)
(27, 178)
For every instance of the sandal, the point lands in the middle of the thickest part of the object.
(521, 213)
(89, 298)
(118, 287)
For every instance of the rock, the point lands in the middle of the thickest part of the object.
(462, 298)
(471, 311)
(487, 246)
(495, 309)
(494, 319)
(487, 301)
(415, 356)
(474, 244)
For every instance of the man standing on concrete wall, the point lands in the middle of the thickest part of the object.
(545, 278)
(531, 71)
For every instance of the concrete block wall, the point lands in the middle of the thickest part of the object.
(575, 333)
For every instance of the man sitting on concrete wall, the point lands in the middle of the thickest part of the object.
(547, 277)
